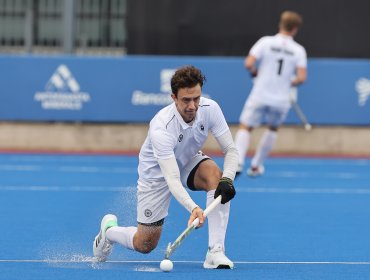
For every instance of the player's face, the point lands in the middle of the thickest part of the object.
(187, 102)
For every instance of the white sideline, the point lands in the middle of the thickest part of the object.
(189, 261)
(240, 189)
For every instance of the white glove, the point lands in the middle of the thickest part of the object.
(293, 94)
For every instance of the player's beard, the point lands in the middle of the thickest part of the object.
(190, 116)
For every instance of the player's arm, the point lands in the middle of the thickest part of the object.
(225, 187)
(301, 76)
(222, 134)
(227, 145)
(301, 68)
(254, 55)
(171, 173)
(250, 65)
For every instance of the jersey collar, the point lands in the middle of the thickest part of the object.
(284, 36)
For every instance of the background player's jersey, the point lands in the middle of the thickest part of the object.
(278, 58)
(170, 136)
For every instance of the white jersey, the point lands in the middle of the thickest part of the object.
(279, 57)
(170, 136)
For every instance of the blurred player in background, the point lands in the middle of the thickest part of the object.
(278, 64)
(169, 160)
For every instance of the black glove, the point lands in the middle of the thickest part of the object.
(226, 189)
(253, 73)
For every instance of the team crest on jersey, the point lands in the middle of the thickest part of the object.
(202, 127)
(181, 137)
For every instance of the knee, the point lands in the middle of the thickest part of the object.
(218, 173)
(146, 248)
(146, 245)
(214, 179)
(207, 176)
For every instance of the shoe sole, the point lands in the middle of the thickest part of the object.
(220, 266)
(223, 266)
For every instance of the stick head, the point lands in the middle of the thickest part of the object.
(168, 251)
(307, 127)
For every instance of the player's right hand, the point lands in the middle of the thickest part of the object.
(197, 213)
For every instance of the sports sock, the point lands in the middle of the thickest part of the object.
(217, 221)
(264, 147)
(122, 235)
(242, 138)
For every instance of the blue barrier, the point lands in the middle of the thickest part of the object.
(134, 88)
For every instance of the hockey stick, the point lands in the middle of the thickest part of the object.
(301, 116)
(172, 247)
(293, 100)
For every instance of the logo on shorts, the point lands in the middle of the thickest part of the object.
(147, 213)
(181, 137)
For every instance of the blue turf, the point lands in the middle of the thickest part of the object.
(301, 210)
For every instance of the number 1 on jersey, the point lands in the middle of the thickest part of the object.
(280, 61)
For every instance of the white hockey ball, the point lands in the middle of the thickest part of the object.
(166, 265)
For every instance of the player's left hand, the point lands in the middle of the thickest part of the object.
(226, 189)
(253, 73)
(196, 213)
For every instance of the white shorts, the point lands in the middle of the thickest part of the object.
(254, 114)
(153, 198)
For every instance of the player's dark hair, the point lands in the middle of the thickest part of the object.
(290, 20)
(186, 77)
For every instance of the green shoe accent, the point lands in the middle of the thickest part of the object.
(110, 224)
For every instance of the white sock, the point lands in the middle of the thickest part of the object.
(122, 235)
(264, 147)
(217, 221)
(242, 138)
